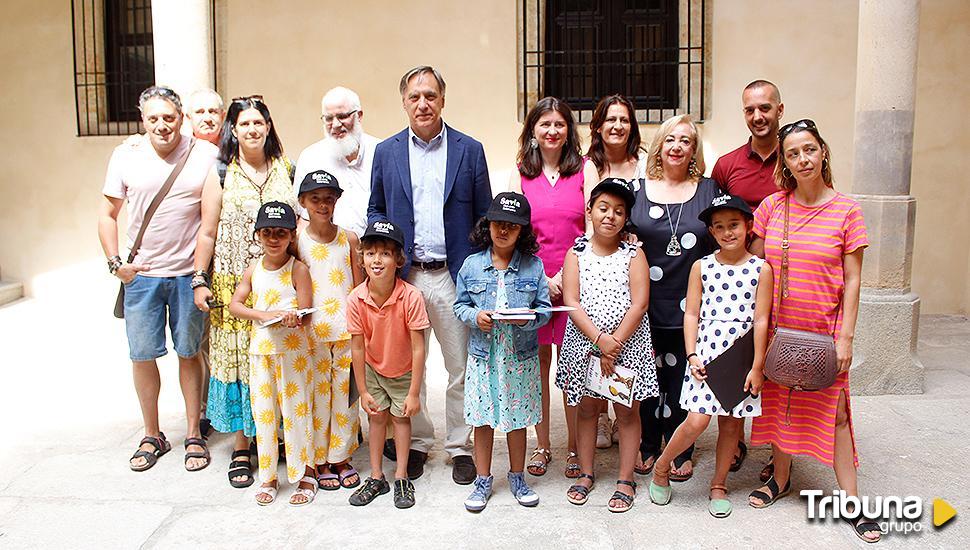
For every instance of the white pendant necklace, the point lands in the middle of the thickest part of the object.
(673, 247)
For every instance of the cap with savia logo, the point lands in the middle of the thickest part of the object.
(722, 202)
(275, 214)
(320, 179)
(615, 186)
(510, 207)
(384, 229)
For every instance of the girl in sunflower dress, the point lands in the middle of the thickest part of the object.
(277, 284)
(330, 251)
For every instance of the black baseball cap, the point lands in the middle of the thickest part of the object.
(383, 229)
(510, 207)
(276, 214)
(721, 202)
(320, 179)
(615, 186)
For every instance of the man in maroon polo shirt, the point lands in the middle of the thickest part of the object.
(748, 171)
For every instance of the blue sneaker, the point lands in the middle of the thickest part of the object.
(479, 498)
(521, 490)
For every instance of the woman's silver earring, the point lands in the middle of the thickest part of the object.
(534, 143)
(786, 173)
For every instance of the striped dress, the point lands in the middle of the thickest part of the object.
(819, 238)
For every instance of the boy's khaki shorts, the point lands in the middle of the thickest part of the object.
(388, 392)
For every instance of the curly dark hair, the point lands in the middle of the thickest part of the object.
(481, 238)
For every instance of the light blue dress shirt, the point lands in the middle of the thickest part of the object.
(428, 162)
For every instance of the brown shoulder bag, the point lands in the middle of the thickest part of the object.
(119, 310)
(798, 359)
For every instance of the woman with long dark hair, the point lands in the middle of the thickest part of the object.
(614, 140)
(616, 152)
(252, 171)
(554, 177)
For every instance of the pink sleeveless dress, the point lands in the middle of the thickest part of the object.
(558, 219)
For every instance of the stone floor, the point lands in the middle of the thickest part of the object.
(69, 420)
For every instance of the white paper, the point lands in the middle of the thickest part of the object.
(301, 313)
(617, 388)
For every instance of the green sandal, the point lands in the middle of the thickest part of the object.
(719, 507)
(660, 494)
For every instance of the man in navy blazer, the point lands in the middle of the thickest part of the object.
(432, 182)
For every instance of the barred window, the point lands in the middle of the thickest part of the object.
(652, 51)
(114, 61)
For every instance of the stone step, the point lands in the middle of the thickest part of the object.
(10, 291)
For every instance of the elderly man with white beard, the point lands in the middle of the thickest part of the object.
(347, 153)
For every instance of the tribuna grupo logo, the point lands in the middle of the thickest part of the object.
(893, 513)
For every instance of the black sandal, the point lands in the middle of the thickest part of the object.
(769, 499)
(623, 497)
(767, 471)
(196, 454)
(862, 525)
(161, 445)
(239, 468)
(739, 459)
(581, 489)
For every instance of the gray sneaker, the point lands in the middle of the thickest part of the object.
(521, 490)
(479, 498)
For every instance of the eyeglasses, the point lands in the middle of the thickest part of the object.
(342, 117)
(805, 124)
(255, 98)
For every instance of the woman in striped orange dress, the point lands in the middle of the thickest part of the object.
(827, 236)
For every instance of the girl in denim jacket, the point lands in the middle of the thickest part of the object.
(502, 387)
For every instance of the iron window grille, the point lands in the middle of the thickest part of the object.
(114, 61)
(652, 51)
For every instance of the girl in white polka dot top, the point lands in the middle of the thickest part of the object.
(725, 335)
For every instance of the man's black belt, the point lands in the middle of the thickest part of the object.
(430, 266)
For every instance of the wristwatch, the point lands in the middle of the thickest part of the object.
(199, 278)
(114, 263)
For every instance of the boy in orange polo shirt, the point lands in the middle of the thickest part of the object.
(386, 318)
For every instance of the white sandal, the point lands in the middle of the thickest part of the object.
(306, 493)
(270, 491)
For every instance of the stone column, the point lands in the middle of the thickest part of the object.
(182, 37)
(885, 345)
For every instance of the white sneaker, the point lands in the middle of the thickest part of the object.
(603, 438)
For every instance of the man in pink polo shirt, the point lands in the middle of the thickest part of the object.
(158, 282)
(748, 171)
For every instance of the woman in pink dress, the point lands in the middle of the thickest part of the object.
(826, 238)
(551, 175)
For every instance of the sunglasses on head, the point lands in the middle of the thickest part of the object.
(255, 98)
(805, 124)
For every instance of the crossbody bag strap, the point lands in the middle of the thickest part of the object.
(783, 276)
(157, 200)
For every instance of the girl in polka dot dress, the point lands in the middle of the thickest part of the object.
(728, 306)
(605, 279)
